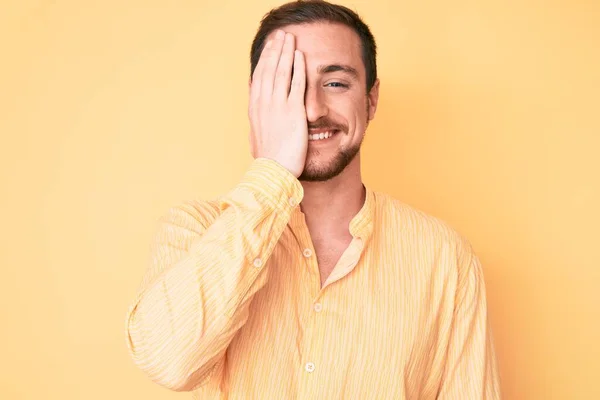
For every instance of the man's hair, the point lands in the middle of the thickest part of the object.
(310, 11)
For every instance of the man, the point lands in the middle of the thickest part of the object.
(301, 282)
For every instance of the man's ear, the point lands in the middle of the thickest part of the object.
(373, 97)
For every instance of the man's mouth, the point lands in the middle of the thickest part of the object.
(322, 135)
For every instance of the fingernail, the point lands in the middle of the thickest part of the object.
(280, 34)
(269, 42)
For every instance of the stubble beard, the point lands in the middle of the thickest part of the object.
(314, 172)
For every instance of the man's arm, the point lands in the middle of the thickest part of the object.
(196, 293)
(471, 366)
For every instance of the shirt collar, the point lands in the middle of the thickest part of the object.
(361, 225)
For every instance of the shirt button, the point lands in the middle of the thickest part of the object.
(257, 262)
(318, 307)
(310, 367)
(307, 252)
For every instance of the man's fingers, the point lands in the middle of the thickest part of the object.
(283, 75)
(299, 78)
(257, 74)
(272, 55)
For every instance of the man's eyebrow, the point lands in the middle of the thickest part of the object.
(325, 69)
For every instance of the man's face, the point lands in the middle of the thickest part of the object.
(336, 99)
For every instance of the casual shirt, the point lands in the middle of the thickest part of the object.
(232, 305)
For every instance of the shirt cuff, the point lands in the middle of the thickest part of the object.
(272, 184)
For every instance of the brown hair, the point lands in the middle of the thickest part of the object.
(310, 11)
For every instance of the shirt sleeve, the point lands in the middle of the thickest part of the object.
(471, 366)
(196, 292)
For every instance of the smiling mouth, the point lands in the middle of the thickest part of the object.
(315, 137)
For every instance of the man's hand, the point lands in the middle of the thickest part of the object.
(277, 114)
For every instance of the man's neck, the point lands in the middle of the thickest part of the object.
(330, 206)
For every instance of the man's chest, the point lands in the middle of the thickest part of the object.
(364, 288)
(377, 322)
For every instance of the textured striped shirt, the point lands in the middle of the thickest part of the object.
(232, 305)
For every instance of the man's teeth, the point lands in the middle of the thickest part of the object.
(320, 136)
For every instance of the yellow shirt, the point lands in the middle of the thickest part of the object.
(231, 306)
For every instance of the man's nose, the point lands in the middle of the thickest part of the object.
(315, 104)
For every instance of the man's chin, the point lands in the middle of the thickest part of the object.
(311, 176)
(317, 173)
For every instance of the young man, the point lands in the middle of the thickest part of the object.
(301, 282)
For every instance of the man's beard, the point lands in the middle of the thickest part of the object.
(313, 172)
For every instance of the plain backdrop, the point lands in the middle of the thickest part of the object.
(112, 111)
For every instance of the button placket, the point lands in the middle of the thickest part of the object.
(311, 342)
(311, 261)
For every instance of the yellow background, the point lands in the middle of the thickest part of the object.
(112, 111)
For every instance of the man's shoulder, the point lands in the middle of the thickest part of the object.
(421, 231)
(414, 221)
